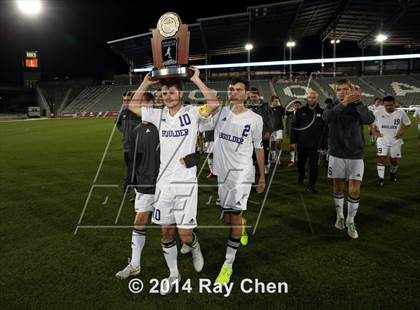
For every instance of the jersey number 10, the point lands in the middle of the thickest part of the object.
(184, 120)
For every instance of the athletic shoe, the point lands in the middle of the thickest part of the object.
(393, 177)
(291, 164)
(339, 224)
(311, 189)
(244, 236)
(197, 257)
(128, 271)
(381, 182)
(185, 249)
(351, 231)
(167, 285)
(224, 275)
(210, 175)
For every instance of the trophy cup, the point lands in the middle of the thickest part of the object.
(170, 47)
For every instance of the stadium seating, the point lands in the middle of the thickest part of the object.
(290, 90)
(405, 88)
(87, 98)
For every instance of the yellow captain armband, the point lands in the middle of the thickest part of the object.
(203, 112)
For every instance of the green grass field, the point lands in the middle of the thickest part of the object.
(47, 170)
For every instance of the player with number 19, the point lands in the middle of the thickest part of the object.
(389, 128)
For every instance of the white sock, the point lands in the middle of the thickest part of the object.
(352, 206)
(292, 156)
(339, 204)
(170, 252)
(381, 170)
(210, 163)
(273, 154)
(232, 248)
(394, 169)
(278, 154)
(138, 239)
(194, 241)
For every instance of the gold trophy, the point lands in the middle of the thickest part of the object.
(170, 47)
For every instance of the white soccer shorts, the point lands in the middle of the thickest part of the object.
(340, 168)
(176, 203)
(233, 194)
(387, 147)
(277, 135)
(144, 202)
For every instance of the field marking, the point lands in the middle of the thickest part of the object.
(87, 201)
(105, 201)
(307, 214)
(265, 197)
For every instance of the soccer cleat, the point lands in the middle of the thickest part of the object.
(167, 285)
(197, 257)
(224, 275)
(244, 235)
(339, 224)
(351, 231)
(128, 271)
(291, 164)
(311, 189)
(381, 182)
(393, 177)
(185, 249)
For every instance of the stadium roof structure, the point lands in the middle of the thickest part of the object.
(271, 25)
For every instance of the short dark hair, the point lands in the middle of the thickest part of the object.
(255, 90)
(177, 83)
(388, 98)
(240, 80)
(274, 97)
(148, 96)
(376, 98)
(329, 101)
(342, 81)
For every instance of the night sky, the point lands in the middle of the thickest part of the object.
(71, 35)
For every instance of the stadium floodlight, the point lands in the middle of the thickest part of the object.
(298, 62)
(335, 41)
(29, 7)
(291, 44)
(249, 46)
(381, 38)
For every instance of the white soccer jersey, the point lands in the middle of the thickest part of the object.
(374, 108)
(178, 138)
(235, 137)
(390, 123)
(417, 114)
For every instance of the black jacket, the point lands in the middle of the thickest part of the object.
(276, 115)
(264, 111)
(126, 122)
(315, 135)
(145, 155)
(345, 129)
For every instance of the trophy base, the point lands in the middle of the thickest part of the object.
(171, 73)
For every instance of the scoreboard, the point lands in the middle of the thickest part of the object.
(31, 69)
(31, 60)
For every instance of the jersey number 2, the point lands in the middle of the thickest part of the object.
(247, 128)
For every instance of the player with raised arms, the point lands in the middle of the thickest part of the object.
(175, 206)
(237, 132)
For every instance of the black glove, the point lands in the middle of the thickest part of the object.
(191, 160)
